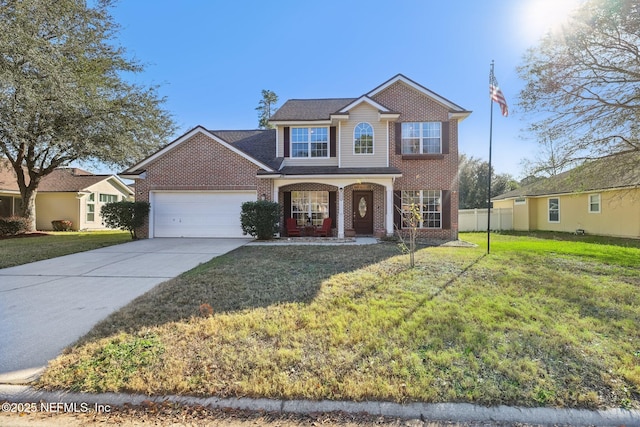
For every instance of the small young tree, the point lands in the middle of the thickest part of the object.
(125, 216)
(260, 219)
(411, 218)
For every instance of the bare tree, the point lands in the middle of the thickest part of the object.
(583, 83)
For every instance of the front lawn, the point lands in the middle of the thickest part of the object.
(539, 322)
(23, 250)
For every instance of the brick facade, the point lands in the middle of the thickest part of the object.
(424, 174)
(200, 162)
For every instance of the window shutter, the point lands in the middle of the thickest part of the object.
(333, 208)
(445, 137)
(398, 137)
(446, 209)
(287, 143)
(332, 141)
(397, 206)
(286, 201)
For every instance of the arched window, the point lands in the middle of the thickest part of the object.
(363, 139)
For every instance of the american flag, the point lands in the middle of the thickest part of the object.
(497, 95)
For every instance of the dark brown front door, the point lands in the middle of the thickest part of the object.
(363, 212)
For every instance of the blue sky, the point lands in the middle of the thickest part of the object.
(213, 58)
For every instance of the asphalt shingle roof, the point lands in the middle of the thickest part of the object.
(310, 109)
(60, 180)
(259, 144)
(619, 171)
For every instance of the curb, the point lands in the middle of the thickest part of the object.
(457, 412)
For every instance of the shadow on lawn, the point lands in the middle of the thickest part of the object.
(247, 278)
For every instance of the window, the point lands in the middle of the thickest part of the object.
(91, 207)
(594, 203)
(520, 201)
(422, 138)
(363, 139)
(309, 142)
(309, 205)
(108, 198)
(429, 204)
(554, 210)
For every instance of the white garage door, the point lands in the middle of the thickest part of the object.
(198, 214)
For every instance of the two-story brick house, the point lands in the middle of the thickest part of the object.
(359, 161)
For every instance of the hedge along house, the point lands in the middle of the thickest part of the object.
(359, 161)
(600, 197)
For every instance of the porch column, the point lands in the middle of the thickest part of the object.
(340, 218)
(390, 208)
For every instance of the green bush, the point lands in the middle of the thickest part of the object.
(260, 219)
(125, 216)
(13, 225)
(61, 225)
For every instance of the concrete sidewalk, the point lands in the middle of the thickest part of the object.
(455, 412)
(47, 305)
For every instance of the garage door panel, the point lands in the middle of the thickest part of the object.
(198, 214)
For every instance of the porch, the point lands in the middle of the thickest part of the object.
(356, 206)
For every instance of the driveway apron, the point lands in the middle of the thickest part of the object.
(47, 305)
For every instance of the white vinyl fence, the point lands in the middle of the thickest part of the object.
(476, 219)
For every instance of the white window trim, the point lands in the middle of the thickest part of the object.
(421, 137)
(309, 156)
(422, 211)
(549, 210)
(520, 201)
(307, 196)
(373, 139)
(589, 203)
(107, 194)
(92, 203)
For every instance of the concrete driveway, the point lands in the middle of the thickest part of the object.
(47, 305)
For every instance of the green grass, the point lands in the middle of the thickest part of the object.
(538, 322)
(23, 250)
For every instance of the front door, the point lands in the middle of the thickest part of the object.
(363, 212)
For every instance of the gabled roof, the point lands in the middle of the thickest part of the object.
(617, 171)
(309, 109)
(454, 108)
(259, 144)
(253, 145)
(60, 180)
(300, 110)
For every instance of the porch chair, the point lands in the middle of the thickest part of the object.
(325, 230)
(292, 227)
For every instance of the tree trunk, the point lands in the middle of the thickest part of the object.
(28, 207)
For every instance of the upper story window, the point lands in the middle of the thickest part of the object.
(363, 139)
(309, 142)
(108, 198)
(422, 138)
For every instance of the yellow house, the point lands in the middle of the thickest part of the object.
(601, 197)
(66, 194)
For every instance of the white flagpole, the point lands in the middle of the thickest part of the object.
(489, 178)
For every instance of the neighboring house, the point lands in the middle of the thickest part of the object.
(601, 197)
(67, 193)
(358, 161)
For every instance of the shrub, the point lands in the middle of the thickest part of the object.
(13, 225)
(61, 225)
(260, 219)
(125, 216)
